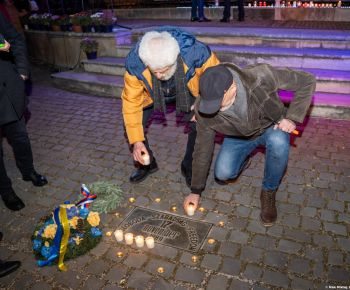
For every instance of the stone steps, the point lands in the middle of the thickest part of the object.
(327, 80)
(273, 37)
(329, 105)
(90, 83)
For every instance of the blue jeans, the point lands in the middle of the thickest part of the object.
(200, 5)
(234, 152)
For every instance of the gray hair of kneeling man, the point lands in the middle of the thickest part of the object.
(158, 50)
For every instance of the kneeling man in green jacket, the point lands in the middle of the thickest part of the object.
(243, 104)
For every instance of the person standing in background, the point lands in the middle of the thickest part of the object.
(197, 12)
(227, 11)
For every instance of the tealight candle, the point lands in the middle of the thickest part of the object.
(174, 208)
(129, 238)
(119, 235)
(160, 270)
(150, 242)
(120, 254)
(108, 234)
(194, 259)
(140, 241)
(157, 200)
(211, 241)
(190, 209)
(201, 209)
(221, 223)
(132, 199)
(146, 159)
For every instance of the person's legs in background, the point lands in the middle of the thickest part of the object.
(240, 4)
(227, 11)
(201, 16)
(194, 10)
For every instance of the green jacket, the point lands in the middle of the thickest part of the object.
(264, 107)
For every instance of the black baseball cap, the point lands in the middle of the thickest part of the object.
(213, 84)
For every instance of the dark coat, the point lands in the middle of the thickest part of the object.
(264, 106)
(12, 65)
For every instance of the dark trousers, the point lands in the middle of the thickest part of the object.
(227, 9)
(16, 134)
(191, 138)
(240, 4)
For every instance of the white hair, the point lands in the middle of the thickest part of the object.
(158, 50)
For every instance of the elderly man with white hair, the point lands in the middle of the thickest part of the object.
(163, 67)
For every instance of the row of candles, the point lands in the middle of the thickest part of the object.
(129, 239)
(295, 4)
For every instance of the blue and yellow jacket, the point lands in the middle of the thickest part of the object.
(138, 94)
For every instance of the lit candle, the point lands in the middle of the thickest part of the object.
(174, 208)
(157, 200)
(129, 238)
(120, 254)
(160, 270)
(132, 199)
(211, 241)
(190, 209)
(140, 241)
(201, 209)
(150, 242)
(221, 223)
(194, 259)
(108, 234)
(119, 235)
(146, 159)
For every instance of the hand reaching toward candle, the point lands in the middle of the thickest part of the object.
(192, 200)
(139, 151)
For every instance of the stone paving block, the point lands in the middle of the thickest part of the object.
(253, 272)
(136, 260)
(289, 246)
(275, 231)
(313, 254)
(217, 281)
(97, 266)
(154, 264)
(236, 284)
(138, 280)
(310, 224)
(229, 249)
(290, 220)
(276, 279)
(336, 229)
(276, 259)
(41, 285)
(335, 258)
(308, 211)
(319, 270)
(251, 254)
(239, 237)
(219, 233)
(161, 284)
(215, 218)
(224, 208)
(339, 274)
(343, 196)
(186, 258)
(70, 278)
(242, 211)
(116, 273)
(237, 223)
(299, 265)
(256, 227)
(336, 205)
(230, 266)
(327, 215)
(164, 251)
(93, 283)
(189, 275)
(223, 196)
(264, 242)
(343, 243)
(297, 235)
(343, 217)
(323, 240)
(301, 284)
(24, 282)
(211, 262)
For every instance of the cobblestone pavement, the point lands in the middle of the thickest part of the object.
(78, 138)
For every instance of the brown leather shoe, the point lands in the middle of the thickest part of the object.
(268, 213)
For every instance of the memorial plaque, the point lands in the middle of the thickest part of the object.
(167, 229)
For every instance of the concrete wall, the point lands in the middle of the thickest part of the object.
(62, 49)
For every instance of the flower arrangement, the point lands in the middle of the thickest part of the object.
(72, 230)
(88, 45)
(84, 234)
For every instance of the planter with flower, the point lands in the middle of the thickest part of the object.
(106, 24)
(86, 23)
(45, 21)
(96, 21)
(64, 23)
(55, 23)
(72, 230)
(90, 47)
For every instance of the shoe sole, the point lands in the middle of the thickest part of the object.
(267, 224)
(142, 179)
